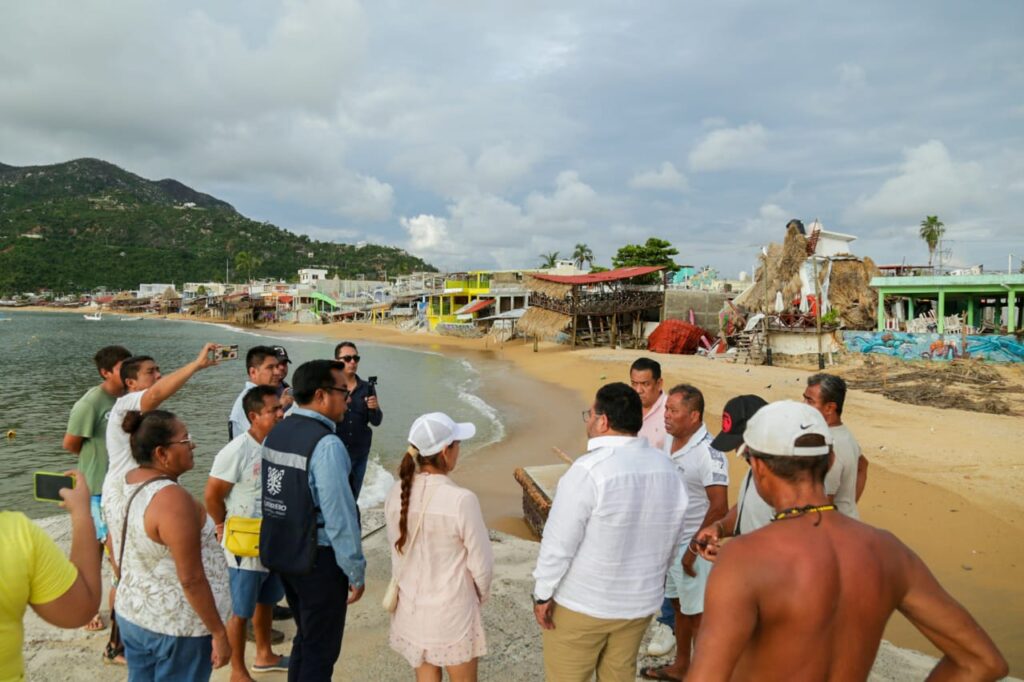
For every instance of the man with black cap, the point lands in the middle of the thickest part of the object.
(281, 373)
(808, 597)
(750, 512)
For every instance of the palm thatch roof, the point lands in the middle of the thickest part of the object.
(552, 289)
(542, 323)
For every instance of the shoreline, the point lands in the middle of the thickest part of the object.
(944, 481)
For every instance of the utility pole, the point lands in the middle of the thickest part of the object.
(817, 293)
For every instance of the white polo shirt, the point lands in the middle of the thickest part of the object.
(702, 466)
(614, 526)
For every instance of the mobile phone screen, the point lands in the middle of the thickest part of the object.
(48, 485)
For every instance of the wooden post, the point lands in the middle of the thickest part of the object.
(941, 322)
(614, 329)
(572, 311)
(590, 326)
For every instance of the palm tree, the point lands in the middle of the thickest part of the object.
(582, 254)
(246, 262)
(549, 260)
(931, 232)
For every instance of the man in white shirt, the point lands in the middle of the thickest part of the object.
(706, 476)
(261, 365)
(615, 524)
(645, 378)
(845, 481)
(145, 390)
(234, 488)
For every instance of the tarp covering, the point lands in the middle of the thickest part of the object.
(675, 336)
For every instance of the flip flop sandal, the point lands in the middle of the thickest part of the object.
(656, 673)
(280, 666)
(95, 625)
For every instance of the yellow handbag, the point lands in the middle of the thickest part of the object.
(242, 536)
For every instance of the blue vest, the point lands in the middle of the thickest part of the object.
(288, 530)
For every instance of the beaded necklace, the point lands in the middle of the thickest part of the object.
(794, 512)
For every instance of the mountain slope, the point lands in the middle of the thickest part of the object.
(86, 223)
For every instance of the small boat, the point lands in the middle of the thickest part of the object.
(94, 316)
(129, 319)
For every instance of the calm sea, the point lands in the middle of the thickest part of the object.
(47, 365)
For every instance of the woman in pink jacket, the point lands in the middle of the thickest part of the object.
(441, 556)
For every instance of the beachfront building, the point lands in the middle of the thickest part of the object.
(942, 303)
(312, 275)
(469, 296)
(595, 308)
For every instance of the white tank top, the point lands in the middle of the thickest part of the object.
(149, 593)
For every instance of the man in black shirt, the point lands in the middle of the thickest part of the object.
(363, 411)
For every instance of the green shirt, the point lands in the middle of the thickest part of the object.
(89, 420)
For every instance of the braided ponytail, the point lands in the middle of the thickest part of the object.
(406, 470)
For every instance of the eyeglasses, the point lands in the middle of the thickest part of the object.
(335, 388)
(186, 440)
(349, 358)
(587, 414)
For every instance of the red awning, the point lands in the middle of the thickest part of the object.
(474, 306)
(598, 277)
(284, 298)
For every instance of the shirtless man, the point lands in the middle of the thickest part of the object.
(808, 597)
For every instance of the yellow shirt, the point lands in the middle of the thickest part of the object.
(33, 570)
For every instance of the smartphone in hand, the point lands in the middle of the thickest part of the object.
(48, 486)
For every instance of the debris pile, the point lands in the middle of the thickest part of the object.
(844, 281)
(960, 384)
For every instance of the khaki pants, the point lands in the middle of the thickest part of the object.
(581, 645)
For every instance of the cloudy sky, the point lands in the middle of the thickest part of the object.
(481, 134)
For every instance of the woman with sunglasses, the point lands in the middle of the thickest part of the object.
(363, 411)
(441, 556)
(173, 595)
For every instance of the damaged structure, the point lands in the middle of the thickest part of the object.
(804, 289)
(598, 308)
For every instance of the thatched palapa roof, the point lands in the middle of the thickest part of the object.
(542, 323)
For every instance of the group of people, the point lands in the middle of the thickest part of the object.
(802, 591)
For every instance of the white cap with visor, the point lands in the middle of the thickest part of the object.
(775, 428)
(432, 433)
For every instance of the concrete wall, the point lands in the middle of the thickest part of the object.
(803, 343)
(705, 306)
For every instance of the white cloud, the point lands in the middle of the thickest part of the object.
(427, 233)
(930, 182)
(769, 225)
(729, 148)
(667, 177)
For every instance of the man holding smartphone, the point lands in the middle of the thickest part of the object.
(86, 437)
(363, 411)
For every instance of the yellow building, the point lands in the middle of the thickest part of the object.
(479, 293)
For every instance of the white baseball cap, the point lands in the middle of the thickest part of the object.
(774, 428)
(432, 433)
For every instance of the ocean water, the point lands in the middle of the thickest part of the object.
(47, 365)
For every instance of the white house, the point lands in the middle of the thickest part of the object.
(151, 290)
(311, 275)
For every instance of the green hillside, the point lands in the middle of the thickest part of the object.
(87, 223)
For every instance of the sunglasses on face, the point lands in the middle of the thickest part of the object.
(349, 358)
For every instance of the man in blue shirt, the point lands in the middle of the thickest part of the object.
(319, 598)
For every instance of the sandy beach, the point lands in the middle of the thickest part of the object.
(947, 482)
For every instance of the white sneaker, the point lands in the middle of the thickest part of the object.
(663, 641)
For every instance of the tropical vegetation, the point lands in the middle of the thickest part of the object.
(931, 232)
(76, 226)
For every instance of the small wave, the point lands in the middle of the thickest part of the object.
(488, 411)
(376, 484)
